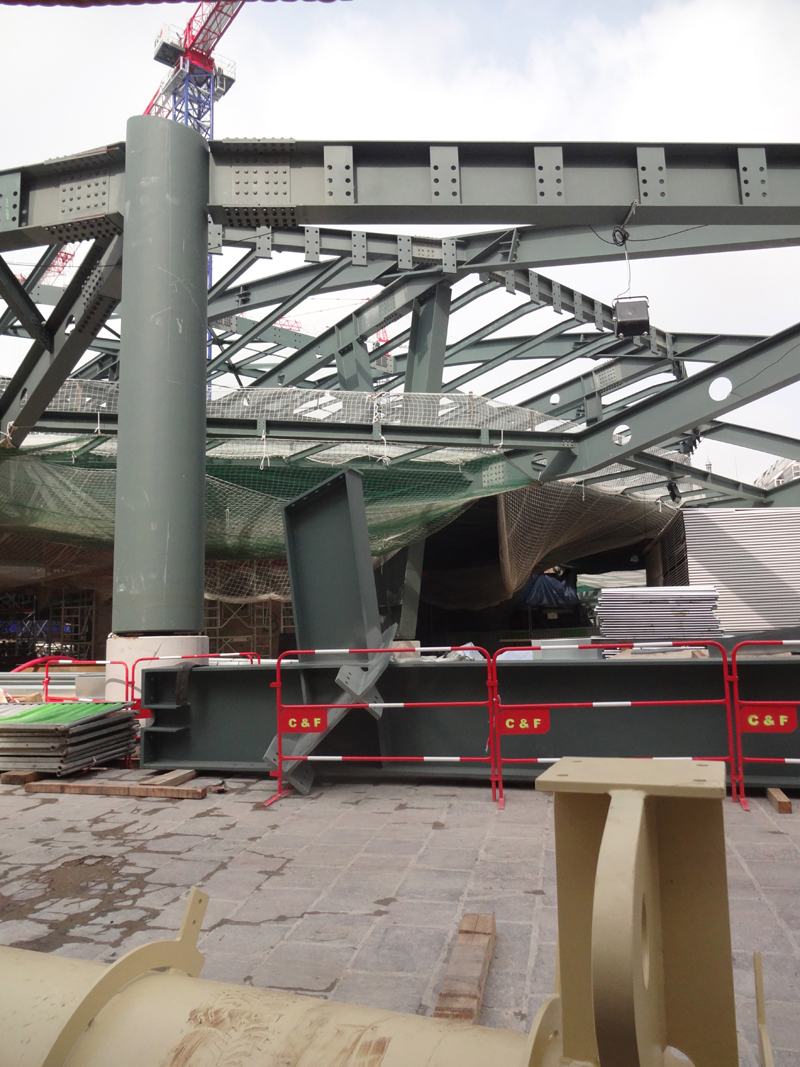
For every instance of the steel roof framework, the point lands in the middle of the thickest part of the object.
(285, 196)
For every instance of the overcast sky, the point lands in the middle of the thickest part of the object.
(666, 70)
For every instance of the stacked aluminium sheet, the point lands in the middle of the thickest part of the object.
(64, 737)
(651, 613)
(752, 555)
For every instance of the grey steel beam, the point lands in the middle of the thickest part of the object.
(22, 307)
(488, 349)
(243, 264)
(104, 366)
(262, 292)
(299, 340)
(644, 461)
(159, 542)
(761, 369)
(307, 453)
(706, 493)
(386, 307)
(526, 348)
(772, 443)
(581, 396)
(412, 583)
(430, 315)
(415, 453)
(279, 288)
(603, 346)
(311, 286)
(8, 317)
(785, 496)
(353, 368)
(518, 183)
(656, 483)
(542, 247)
(484, 351)
(499, 323)
(718, 502)
(410, 436)
(538, 247)
(74, 198)
(707, 191)
(85, 305)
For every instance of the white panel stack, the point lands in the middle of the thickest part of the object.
(752, 556)
(653, 613)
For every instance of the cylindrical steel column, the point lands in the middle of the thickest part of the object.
(159, 537)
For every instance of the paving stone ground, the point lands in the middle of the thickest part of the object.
(356, 892)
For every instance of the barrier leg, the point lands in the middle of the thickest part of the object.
(280, 791)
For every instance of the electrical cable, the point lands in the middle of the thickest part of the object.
(645, 240)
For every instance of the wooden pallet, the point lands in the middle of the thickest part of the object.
(461, 994)
(166, 786)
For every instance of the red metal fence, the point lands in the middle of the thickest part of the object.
(532, 719)
(313, 718)
(760, 717)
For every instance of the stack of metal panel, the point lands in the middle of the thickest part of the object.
(671, 613)
(752, 555)
(64, 737)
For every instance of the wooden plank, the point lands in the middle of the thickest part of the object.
(170, 778)
(119, 789)
(19, 777)
(779, 801)
(461, 993)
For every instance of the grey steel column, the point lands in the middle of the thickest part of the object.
(407, 628)
(428, 341)
(159, 535)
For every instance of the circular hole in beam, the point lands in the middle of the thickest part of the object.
(720, 389)
(621, 435)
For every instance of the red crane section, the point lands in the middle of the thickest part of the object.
(207, 25)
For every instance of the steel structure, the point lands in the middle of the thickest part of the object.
(550, 204)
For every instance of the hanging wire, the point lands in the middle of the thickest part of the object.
(620, 236)
(626, 292)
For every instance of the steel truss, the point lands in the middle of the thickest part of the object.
(281, 196)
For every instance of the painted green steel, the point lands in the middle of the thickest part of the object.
(427, 345)
(231, 712)
(160, 508)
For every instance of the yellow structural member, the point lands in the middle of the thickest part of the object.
(644, 929)
(57, 1012)
(644, 963)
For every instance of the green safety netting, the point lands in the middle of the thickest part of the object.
(59, 492)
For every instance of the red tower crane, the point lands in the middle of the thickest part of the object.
(196, 79)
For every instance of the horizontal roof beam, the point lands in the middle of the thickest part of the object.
(715, 192)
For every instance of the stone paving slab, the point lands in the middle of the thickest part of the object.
(357, 891)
